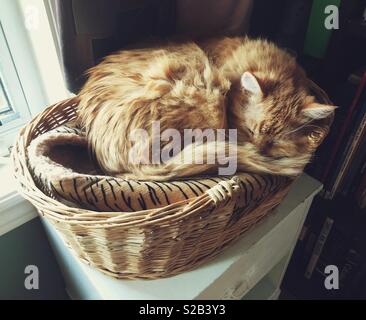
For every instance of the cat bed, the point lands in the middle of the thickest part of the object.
(134, 229)
(60, 164)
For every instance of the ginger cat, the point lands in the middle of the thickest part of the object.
(238, 83)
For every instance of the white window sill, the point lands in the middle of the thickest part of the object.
(14, 209)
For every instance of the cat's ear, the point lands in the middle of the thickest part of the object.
(250, 83)
(316, 110)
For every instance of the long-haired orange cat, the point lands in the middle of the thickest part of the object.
(238, 83)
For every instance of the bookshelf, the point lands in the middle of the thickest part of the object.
(340, 164)
(335, 60)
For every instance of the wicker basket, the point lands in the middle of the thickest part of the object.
(147, 244)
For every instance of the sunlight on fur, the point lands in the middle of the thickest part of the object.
(228, 83)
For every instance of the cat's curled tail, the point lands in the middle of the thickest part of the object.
(216, 155)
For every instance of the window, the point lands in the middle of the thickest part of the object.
(30, 73)
(14, 110)
(30, 79)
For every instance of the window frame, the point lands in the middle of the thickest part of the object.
(35, 57)
(12, 87)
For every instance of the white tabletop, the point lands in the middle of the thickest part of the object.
(87, 282)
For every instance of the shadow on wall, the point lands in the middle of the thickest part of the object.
(28, 245)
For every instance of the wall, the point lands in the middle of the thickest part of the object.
(28, 245)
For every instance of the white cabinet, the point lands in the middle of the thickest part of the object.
(252, 268)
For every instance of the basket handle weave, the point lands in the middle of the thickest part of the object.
(224, 190)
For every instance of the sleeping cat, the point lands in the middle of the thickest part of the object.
(248, 85)
(269, 98)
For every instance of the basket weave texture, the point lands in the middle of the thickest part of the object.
(146, 244)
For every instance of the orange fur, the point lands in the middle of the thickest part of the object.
(185, 86)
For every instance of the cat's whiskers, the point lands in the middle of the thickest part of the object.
(299, 128)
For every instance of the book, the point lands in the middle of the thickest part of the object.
(353, 178)
(349, 152)
(343, 128)
(360, 193)
(351, 264)
(318, 37)
(322, 238)
(342, 94)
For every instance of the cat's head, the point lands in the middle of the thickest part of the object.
(278, 115)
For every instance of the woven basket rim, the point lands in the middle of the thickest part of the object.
(58, 211)
(146, 244)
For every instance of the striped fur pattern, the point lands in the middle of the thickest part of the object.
(249, 85)
(87, 189)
